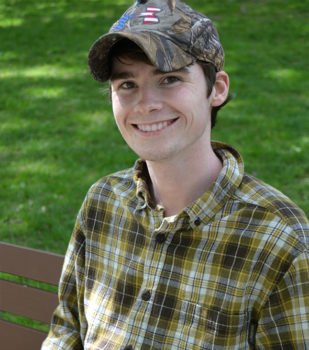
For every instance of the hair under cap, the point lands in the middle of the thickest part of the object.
(171, 34)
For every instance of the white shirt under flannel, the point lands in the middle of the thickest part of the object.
(231, 271)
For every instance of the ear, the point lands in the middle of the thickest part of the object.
(220, 89)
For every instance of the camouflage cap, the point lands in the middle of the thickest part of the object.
(170, 33)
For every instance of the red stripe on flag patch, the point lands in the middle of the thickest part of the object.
(149, 15)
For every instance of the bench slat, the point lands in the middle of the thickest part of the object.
(31, 263)
(27, 301)
(17, 337)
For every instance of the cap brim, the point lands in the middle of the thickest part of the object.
(160, 50)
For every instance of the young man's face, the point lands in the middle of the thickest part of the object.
(161, 115)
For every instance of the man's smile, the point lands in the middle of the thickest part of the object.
(154, 126)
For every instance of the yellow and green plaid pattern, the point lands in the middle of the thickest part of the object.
(229, 272)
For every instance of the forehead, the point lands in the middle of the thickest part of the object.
(125, 67)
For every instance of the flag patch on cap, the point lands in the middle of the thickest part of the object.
(149, 15)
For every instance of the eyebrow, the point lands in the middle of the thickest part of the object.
(121, 75)
(127, 75)
(181, 70)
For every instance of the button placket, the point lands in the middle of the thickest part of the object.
(197, 221)
(146, 295)
(128, 347)
(160, 238)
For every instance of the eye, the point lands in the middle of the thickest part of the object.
(170, 80)
(127, 85)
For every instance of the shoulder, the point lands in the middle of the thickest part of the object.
(273, 207)
(118, 183)
(108, 197)
(110, 192)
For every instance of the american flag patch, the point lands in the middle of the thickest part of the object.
(149, 15)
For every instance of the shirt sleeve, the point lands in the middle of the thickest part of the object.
(284, 321)
(68, 319)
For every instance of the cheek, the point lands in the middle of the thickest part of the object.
(191, 101)
(118, 113)
(117, 107)
(121, 105)
(179, 99)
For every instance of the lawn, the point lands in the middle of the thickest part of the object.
(57, 134)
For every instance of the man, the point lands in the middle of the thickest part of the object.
(184, 250)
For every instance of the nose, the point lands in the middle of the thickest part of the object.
(148, 100)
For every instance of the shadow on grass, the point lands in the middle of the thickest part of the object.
(57, 131)
(58, 135)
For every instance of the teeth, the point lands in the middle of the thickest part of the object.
(153, 127)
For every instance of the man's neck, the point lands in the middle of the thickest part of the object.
(177, 183)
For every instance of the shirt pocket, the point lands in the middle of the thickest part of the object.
(222, 323)
(212, 326)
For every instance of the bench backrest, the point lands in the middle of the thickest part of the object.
(24, 300)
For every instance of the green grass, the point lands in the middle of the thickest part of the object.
(57, 131)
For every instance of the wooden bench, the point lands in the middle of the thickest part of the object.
(23, 300)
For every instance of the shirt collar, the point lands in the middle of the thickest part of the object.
(142, 181)
(213, 199)
(229, 179)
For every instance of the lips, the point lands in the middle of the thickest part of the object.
(154, 126)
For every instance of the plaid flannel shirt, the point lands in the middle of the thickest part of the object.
(231, 271)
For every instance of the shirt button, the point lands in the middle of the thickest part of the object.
(160, 238)
(197, 221)
(146, 295)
